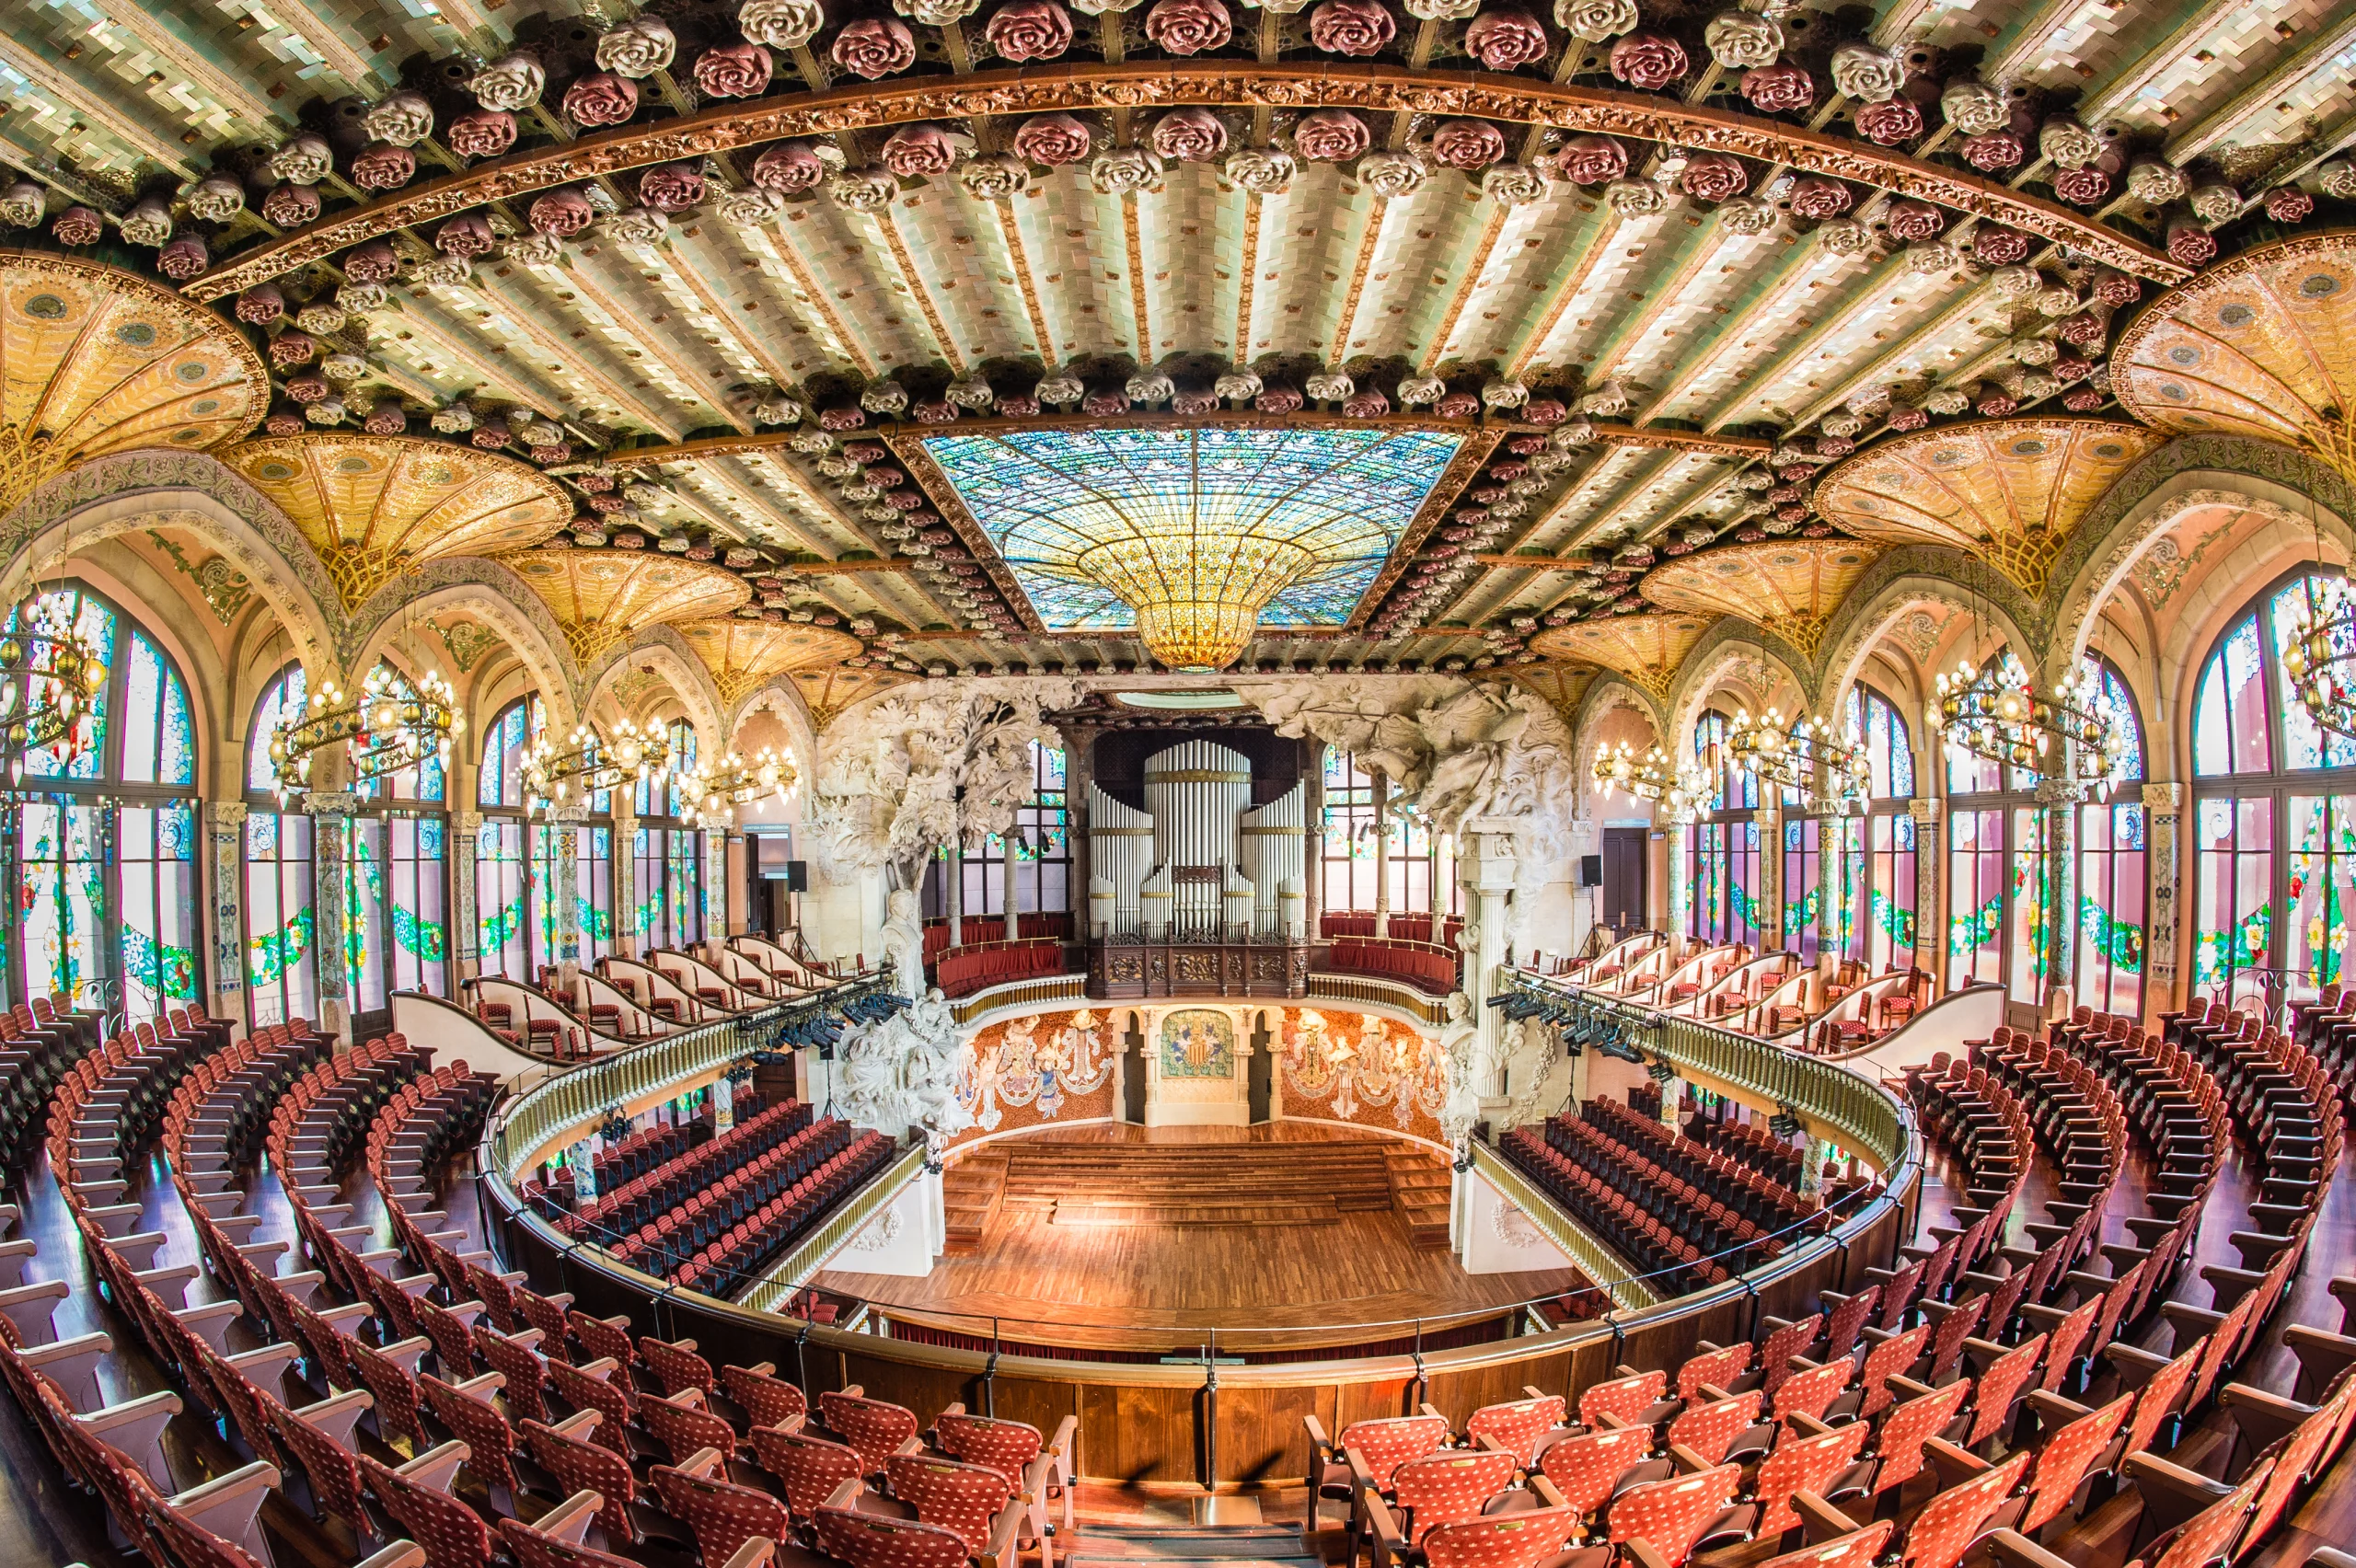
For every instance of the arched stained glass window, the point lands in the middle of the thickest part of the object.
(2112, 864)
(2273, 812)
(517, 874)
(102, 835)
(1723, 857)
(282, 977)
(395, 930)
(666, 856)
(2000, 899)
(1876, 920)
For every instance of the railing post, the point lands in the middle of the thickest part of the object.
(990, 1376)
(1210, 1415)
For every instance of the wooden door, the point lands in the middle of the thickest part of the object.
(1625, 858)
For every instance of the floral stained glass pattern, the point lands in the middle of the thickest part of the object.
(62, 894)
(79, 756)
(1095, 522)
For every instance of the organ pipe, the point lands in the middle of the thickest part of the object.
(1271, 849)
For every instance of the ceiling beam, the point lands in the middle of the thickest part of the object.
(1236, 83)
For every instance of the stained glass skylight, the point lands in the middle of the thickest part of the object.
(1204, 530)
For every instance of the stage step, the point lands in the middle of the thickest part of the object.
(1232, 1545)
(1349, 1176)
(971, 1192)
(1422, 1187)
(1191, 1214)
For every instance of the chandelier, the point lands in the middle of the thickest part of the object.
(51, 678)
(712, 795)
(584, 764)
(1652, 777)
(2319, 657)
(389, 726)
(1807, 759)
(1995, 713)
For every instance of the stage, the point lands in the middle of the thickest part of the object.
(1125, 1237)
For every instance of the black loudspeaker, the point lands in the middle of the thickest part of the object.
(1591, 870)
(797, 876)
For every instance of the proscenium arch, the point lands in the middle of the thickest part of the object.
(214, 506)
(493, 595)
(1155, 84)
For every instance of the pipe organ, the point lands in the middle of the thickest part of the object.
(1200, 863)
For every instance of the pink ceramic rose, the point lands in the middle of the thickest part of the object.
(1780, 88)
(380, 165)
(1506, 40)
(561, 212)
(788, 166)
(733, 71)
(875, 47)
(373, 262)
(2000, 247)
(671, 186)
(1993, 150)
(1591, 160)
(1331, 135)
(919, 151)
(1029, 29)
(288, 206)
(1910, 220)
(2289, 204)
(1467, 143)
(1189, 135)
(1278, 401)
(1714, 176)
(1188, 26)
(1647, 60)
(2087, 187)
(1815, 198)
(1052, 140)
(480, 133)
(600, 99)
(1890, 123)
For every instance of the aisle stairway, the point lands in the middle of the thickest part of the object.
(970, 1193)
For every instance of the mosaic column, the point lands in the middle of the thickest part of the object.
(1485, 866)
(625, 875)
(2163, 825)
(1832, 892)
(1381, 852)
(465, 829)
(567, 894)
(329, 810)
(2060, 796)
(715, 886)
(224, 875)
(1680, 881)
(1769, 895)
(1930, 892)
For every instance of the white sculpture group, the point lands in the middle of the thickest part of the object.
(904, 1073)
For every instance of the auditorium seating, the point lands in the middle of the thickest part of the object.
(1425, 967)
(977, 966)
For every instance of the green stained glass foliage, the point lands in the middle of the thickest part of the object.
(1075, 511)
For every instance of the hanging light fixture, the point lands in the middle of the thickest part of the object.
(559, 775)
(712, 795)
(1806, 758)
(2319, 658)
(51, 675)
(1995, 713)
(389, 726)
(1651, 778)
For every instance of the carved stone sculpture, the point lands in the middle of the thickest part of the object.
(904, 1073)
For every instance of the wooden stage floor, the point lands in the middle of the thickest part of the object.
(1059, 1281)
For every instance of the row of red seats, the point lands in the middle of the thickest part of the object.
(733, 1260)
(1684, 1207)
(1758, 1198)
(665, 1234)
(1753, 1145)
(1430, 969)
(701, 1164)
(1673, 1264)
(965, 970)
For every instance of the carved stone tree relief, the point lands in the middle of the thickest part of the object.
(944, 764)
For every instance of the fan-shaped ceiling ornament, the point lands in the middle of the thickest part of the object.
(742, 654)
(603, 598)
(2009, 491)
(94, 360)
(1790, 587)
(375, 506)
(827, 692)
(1647, 648)
(2263, 345)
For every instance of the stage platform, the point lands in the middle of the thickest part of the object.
(1122, 1238)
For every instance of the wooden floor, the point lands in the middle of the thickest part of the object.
(1042, 1277)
